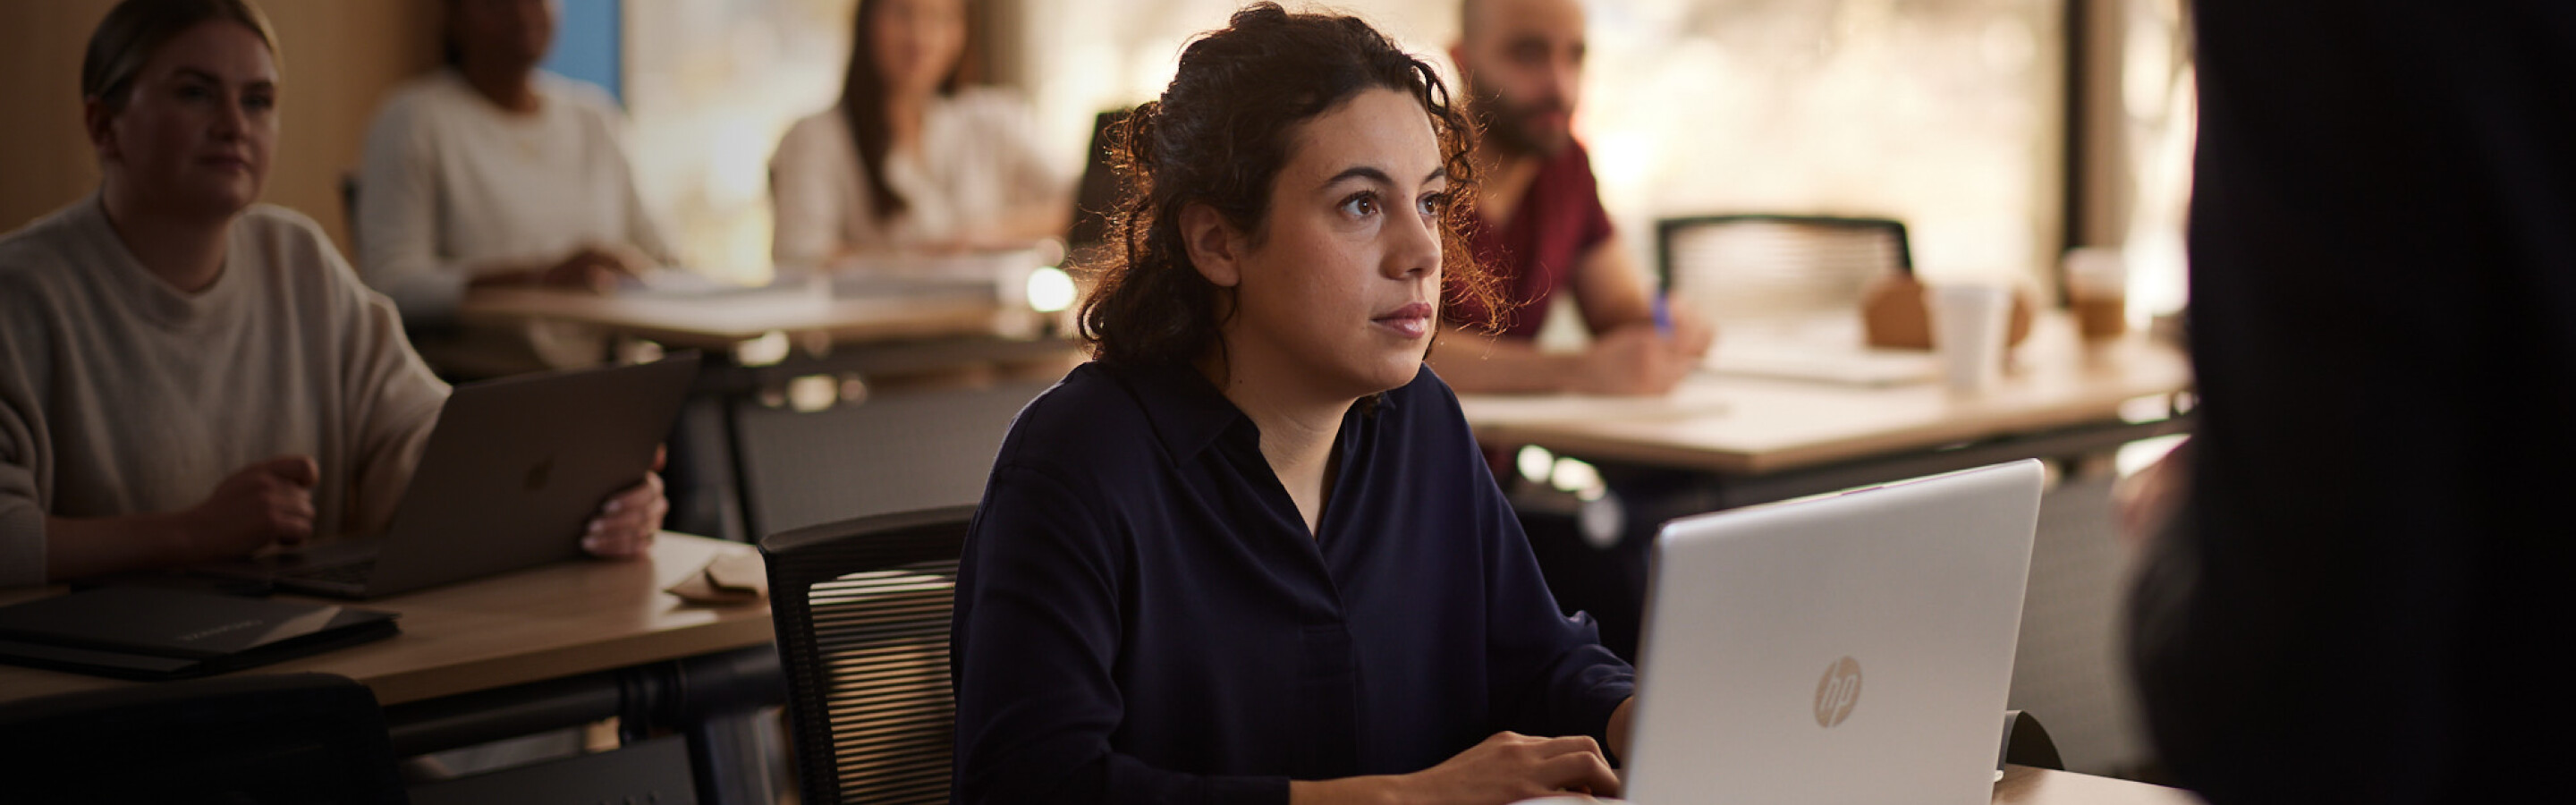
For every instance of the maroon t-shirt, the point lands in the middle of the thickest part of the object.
(1558, 221)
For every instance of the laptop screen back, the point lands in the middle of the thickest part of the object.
(518, 466)
(1854, 648)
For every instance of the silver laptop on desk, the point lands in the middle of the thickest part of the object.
(509, 478)
(1846, 649)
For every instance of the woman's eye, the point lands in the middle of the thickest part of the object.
(1362, 205)
(192, 92)
(1433, 204)
(259, 102)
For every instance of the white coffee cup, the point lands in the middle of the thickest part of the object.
(1969, 322)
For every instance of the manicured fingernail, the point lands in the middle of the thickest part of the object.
(592, 543)
(596, 526)
(614, 505)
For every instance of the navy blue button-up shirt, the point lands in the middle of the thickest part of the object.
(1142, 615)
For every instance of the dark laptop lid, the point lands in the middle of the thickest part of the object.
(152, 633)
(171, 623)
(1096, 198)
(518, 466)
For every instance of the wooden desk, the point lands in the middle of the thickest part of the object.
(718, 322)
(549, 622)
(587, 616)
(553, 647)
(1751, 426)
(1723, 442)
(2023, 785)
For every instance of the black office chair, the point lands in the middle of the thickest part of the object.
(890, 453)
(1742, 267)
(862, 609)
(275, 739)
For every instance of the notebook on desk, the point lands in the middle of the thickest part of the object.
(670, 283)
(1820, 349)
(1854, 648)
(515, 469)
(998, 276)
(1848, 365)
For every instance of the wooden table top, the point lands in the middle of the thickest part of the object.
(2023, 785)
(554, 621)
(1750, 426)
(585, 616)
(721, 321)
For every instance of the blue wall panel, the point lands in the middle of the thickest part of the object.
(589, 45)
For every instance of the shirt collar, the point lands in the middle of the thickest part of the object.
(1189, 414)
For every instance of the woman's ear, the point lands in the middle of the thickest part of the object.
(99, 118)
(1212, 244)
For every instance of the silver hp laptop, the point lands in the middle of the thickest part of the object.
(509, 478)
(1846, 649)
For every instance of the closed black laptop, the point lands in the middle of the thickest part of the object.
(152, 633)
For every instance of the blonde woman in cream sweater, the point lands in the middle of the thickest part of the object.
(186, 376)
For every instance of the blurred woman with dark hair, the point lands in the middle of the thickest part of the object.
(908, 159)
(186, 375)
(1250, 552)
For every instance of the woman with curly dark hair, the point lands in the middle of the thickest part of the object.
(1250, 552)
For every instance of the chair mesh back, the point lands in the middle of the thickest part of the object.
(1735, 268)
(862, 610)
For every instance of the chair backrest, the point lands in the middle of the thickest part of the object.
(889, 453)
(862, 609)
(284, 739)
(1734, 268)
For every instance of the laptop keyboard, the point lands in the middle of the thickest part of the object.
(348, 573)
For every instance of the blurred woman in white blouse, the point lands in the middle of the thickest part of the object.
(908, 160)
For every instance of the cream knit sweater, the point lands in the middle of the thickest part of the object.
(122, 395)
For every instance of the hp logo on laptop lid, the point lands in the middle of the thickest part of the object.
(1837, 692)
